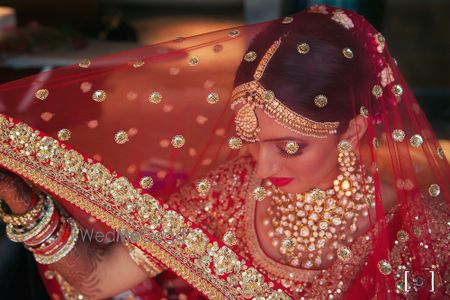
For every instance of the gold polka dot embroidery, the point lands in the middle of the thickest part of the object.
(402, 236)
(287, 20)
(364, 111)
(398, 135)
(259, 193)
(434, 190)
(229, 238)
(250, 56)
(385, 267)
(178, 141)
(344, 253)
(138, 63)
(203, 187)
(155, 97)
(291, 147)
(234, 33)
(235, 143)
(84, 63)
(193, 61)
(416, 140)
(64, 134)
(397, 90)
(303, 48)
(146, 182)
(320, 101)
(377, 91)
(121, 137)
(41, 94)
(99, 96)
(348, 53)
(212, 98)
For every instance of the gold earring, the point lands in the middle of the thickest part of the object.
(347, 161)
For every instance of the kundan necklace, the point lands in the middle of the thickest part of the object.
(303, 223)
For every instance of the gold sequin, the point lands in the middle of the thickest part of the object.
(155, 97)
(348, 53)
(178, 141)
(320, 101)
(146, 182)
(364, 111)
(402, 236)
(121, 137)
(344, 253)
(303, 48)
(234, 33)
(398, 135)
(41, 94)
(203, 187)
(287, 20)
(259, 193)
(440, 152)
(434, 190)
(385, 267)
(99, 96)
(212, 98)
(397, 90)
(138, 63)
(250, 56)
(291, 147)
(193, 61)
(64, 134)
(235, 143)
(229, 238)
(377, 91)
(416, 140)
(84, 63)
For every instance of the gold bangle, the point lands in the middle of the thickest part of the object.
(23, 219)
(29, 233)
(149, 266)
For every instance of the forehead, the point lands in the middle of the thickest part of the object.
(270, 129)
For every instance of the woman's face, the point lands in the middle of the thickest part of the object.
(313, 165)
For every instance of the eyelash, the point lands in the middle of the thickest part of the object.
(287, 155)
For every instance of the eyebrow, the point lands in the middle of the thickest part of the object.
(284, 138)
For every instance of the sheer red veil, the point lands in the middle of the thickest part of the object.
(89, 133)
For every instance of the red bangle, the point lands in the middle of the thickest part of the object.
(46, 232)
(53, 246)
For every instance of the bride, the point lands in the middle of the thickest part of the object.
(323, 180)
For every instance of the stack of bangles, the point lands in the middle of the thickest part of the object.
(43, 229)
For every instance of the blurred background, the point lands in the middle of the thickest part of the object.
(41, 35)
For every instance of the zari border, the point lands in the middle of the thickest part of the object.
(172, 240)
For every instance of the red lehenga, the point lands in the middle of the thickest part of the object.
(98, 134)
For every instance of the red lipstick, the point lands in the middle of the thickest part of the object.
(280, 181)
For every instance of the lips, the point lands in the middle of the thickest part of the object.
(280, 181)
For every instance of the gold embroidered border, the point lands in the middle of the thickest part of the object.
(102, 194)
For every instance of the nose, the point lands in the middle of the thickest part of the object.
(266, 166)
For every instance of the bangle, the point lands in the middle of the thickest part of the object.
(37, 204)
(22, 234)
(46, 233)
(54, 242)
(65, 249)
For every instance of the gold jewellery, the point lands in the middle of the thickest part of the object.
(253, 95)
(303, 224)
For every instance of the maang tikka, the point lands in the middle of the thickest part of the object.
(253, 95)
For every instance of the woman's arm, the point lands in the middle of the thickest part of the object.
(94, 271)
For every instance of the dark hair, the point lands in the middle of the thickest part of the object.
(297, 78)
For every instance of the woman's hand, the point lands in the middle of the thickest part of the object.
(15, 192)
(96, 272)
